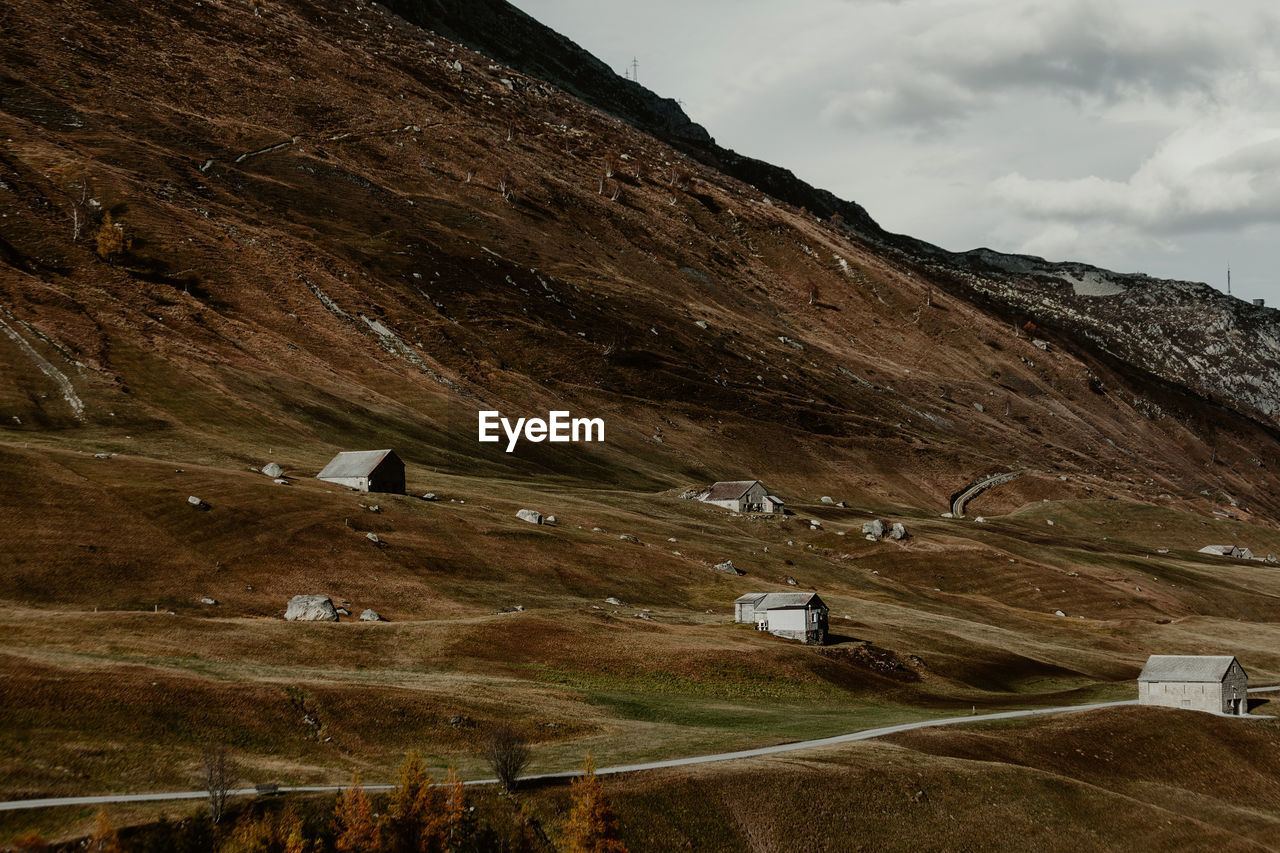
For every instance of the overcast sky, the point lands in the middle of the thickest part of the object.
(1141, 136)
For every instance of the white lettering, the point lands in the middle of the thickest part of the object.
(512, 434)
(560, 427)
(488, 422)
(587, 424)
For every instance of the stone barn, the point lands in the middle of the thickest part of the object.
(1213, 683)
(366, 471)
(794, 615)
(743, 496)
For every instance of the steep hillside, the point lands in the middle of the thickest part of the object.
(331, 229)
(1185, 333)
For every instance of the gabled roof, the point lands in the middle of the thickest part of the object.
(1186, 668)
(775, 499)
(729, 490)
(1224, 550)
(779, 600)
(354, 463)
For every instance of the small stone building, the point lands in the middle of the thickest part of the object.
(743, 496)
(794, 615)
(1213, 683)
(366, 471)
(1228, 551)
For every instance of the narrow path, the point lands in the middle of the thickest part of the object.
(795, 746)
(978, 487)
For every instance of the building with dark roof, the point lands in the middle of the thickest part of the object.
(743, 496)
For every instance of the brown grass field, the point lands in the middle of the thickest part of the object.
(242, 327)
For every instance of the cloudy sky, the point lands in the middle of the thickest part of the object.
(1142, 136)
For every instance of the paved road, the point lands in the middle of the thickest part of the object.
(795, 746)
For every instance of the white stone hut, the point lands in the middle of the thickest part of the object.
(743, 496)
(366, 471)
(1213, 683)
(1228, 551)
(794, 615)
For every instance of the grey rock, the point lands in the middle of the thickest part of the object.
(208, 600)
(1039, 344)
(627, 537)
(311, 608)
(792, 581)
(616, 602)
(530, 515)
(871, 537)
(429, 496)
(841, 504)
(897, 531)
(814, 524)
(197, 503)
(978, 406)
(342, 611)
(876, 528)
(102, 456)
(1058, 613)
(826, 499)
(551, 519)
(279, 481)
(373, 537)
(271, 469)
(728, 567)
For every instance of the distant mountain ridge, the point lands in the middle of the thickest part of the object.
(1175, 330)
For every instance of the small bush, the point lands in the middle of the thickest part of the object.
(111, 239)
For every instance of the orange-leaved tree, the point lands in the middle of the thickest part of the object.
(592, 826)
(414, 819)
(104, 838)
(354, 827)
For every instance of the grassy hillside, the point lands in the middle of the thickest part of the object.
(348, 233)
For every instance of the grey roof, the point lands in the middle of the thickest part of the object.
(729, 490)
(353, 463)
(775, 499)
(1186, 668)
(779, 600)
(1225, 550)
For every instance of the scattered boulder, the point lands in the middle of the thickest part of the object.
(550, 519)
(948, 515)
(272, 470)
(280, 481)
(311, 608)
(530, 515)
(342, 611)
(792, 581)
(371, 507)
(826, 499)
(616, 602)
(373, 537)
(871, 537)
(430, 496)
(980, 520)
(1058, 613)
(1049, 521)
(196, 503)
(102, 456)
(208, 600)
(1039, 344)
(671, 539)
(841, 504)
(643, 616)
(814, 524)
(627, 537)
(897, 531)
(875, 528)
(728, 567)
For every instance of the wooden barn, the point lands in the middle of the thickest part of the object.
(366, 471)
(743, 496)
(794, 615)
(1213, 683)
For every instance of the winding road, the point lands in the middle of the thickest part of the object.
(795, 746)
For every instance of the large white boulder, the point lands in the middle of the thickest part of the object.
(311, 608)
(530, 515)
